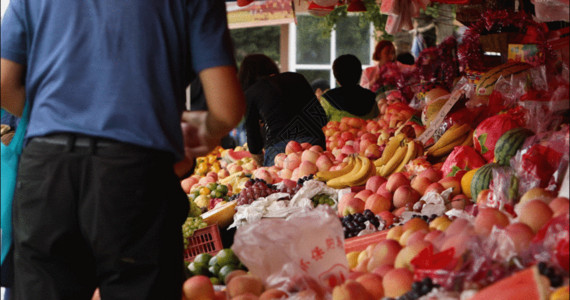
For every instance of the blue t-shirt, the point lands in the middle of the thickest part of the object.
(114, 69)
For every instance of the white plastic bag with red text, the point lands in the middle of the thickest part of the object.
(307, 245)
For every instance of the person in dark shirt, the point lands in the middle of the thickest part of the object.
(280, 107)
(350, 99)
(320, 86)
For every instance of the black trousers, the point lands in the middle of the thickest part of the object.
(97, 213)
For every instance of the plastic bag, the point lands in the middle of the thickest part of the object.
(308, 244)
(542, 160)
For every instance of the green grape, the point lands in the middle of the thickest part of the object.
(194, 210)
(190, 226)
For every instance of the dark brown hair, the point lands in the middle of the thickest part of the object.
(254, 67)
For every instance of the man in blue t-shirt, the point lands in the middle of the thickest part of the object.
(98, 202)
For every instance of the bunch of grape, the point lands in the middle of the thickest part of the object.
(190, 225)
(322, 199)
(425, 218)
(354, 223)
(555, 277)
(253, 189)
(419, 288)
(302, 180)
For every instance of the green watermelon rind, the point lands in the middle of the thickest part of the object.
(482, 179)
(509, 143)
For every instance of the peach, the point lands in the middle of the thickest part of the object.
(324, 163)
(433, 235)
(411, 236)
(377, 204)
(394, 233)
(459, 243)
(535, 213)
(246, 296)
(292, 147)
(458, 226)
(415, 224)
(234, 274)
(234, 167)
(295, 174)
(434, 187)
(351, 290)
(397, 282)
(223, 173)
(521, 234)
(220, 295)
(396, 180)
(537, 193)
(309, 155)
(451, 182)
(307, 168)
(198, 287)
(404, 196)
(285, 173)
(372, 151)
(384, 192)
(347, 149)
(243, 284)
(440, 223)
(405, 256)
(273, 294)
(559, 206)
(399, 211)
(487, 218)
(187, 183)
(363, 145)
(382, 270)
(387, 216)
(348, 204)
(262, 173)
(306, 146)
(483, 197)
(420, 184)
(279, 158)
(460, 201)
(383, 253)
(432, 174)
(292, 161)
(373, 284)
(316, 148)
(364, 194)
(374, 182)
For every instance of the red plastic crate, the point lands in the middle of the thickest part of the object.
(360, 243)
(205, 240)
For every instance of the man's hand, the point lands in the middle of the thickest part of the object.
(197, 140)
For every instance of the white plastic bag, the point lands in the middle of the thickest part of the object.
(308, 244)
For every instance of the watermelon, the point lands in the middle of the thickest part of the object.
(487, 82)
(525, 284)
(482, 179)
(509, 143)
(231, 155)
(489, 131)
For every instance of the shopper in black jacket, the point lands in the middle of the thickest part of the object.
(280, 107)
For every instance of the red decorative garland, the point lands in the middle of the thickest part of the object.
(470, 53)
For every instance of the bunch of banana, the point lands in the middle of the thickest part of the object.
(457, 135)
(398, 152)
(356, 172)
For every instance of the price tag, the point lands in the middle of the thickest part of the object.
(436, 122)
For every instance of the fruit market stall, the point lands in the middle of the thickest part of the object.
(458, 190)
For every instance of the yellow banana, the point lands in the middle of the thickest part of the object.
(343, 181)
(410, 154)
(229, 179)
(447, 148)
(452, 134)
(390, 149)
(328, 175)
(398, 156)
(371, 172)
(362, 174)
(468, 139)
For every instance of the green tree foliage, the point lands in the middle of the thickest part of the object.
(256, 40)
